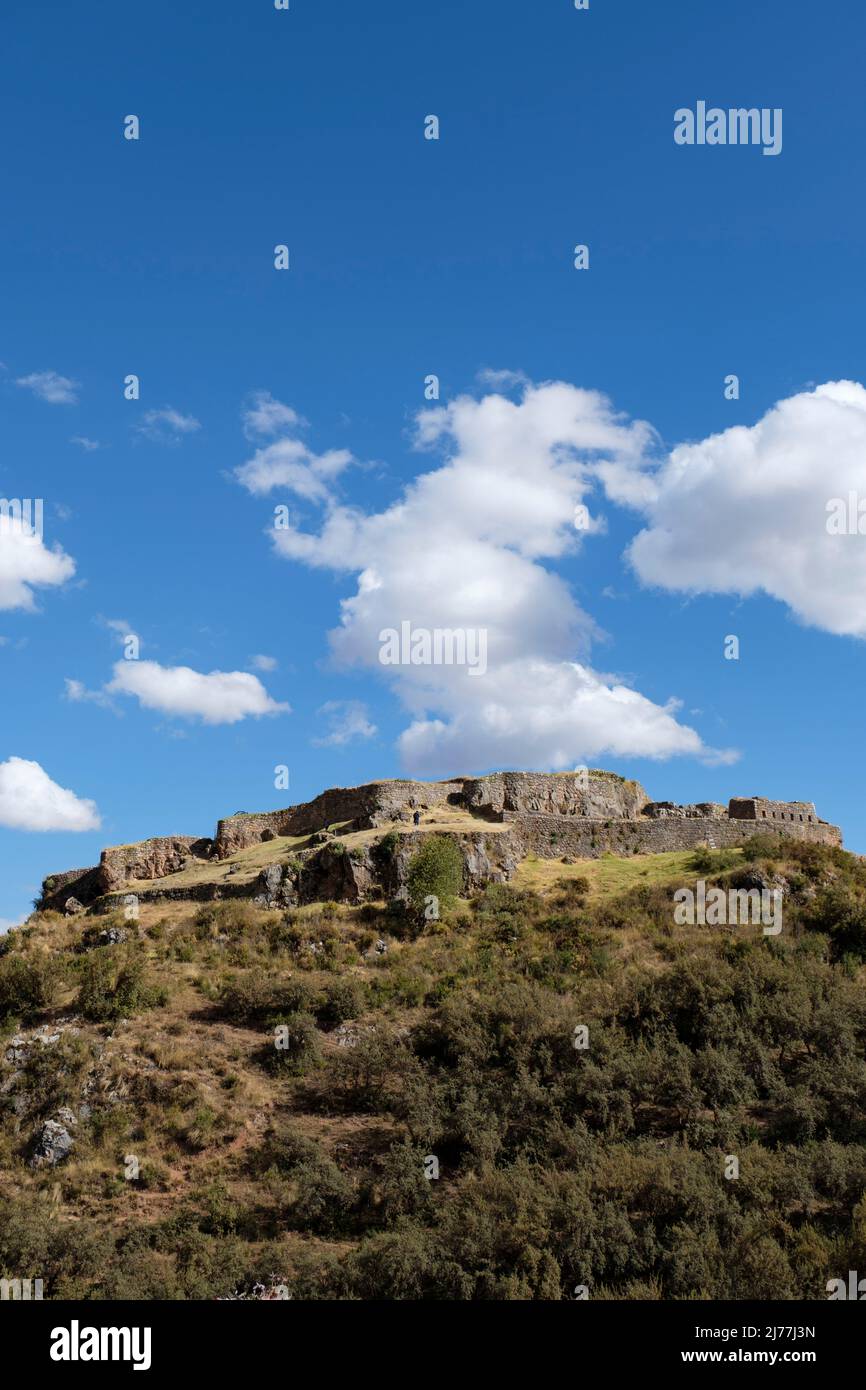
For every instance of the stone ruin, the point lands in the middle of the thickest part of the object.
(505, 816)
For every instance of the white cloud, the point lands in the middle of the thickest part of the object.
(88, 445)
(548, 714)
(26, 563)
(51, 387)
(122, 630)
(289, 464)
(502, 379)
(347, 720)
(29, 800)
(746, 510)
(263, 415)
(461, 548)
(218, 697)
(264, 663)
(78, 693)
(167, 425)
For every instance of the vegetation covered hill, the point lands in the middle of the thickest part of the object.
(364, 1103)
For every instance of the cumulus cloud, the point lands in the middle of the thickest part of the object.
(167, 425)
(746, 510)
(289, 464)
(27, 563)
(264, 663)
(29, 800)
(50, 387)
(347, 720)
(218, 697)
(263, 415)
(462, 548)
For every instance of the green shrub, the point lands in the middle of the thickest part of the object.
(341, 999)
(436, 871)
(27, 984)
(231, 917)
(295, 1046)
(112, 986)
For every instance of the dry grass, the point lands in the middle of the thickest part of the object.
(609, 875)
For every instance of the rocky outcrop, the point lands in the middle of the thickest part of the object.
(54, 1142)
(577, 814)
(487, 858)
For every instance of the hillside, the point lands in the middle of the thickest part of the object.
(362, 1101)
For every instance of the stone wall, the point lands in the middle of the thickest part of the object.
(550, 837)
(759, 808)
(374, 804)
(83, 884)
(149, 859)
(596, 794)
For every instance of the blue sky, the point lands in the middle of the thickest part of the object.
(410, 257)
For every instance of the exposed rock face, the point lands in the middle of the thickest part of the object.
(277, 886)
(335, 875)
(712, 810)
(486, 859)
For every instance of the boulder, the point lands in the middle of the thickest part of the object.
(54, 1142)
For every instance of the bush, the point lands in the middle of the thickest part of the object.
(112, 986)
(765, 847)
(435, 871)
(230, 918)
(340, 1000)
(248, 998)
(295, 1046)
(27, 984)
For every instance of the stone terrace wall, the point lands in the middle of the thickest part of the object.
(552, 836)
(567, 794)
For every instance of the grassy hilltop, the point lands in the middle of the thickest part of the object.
(265, 1097)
